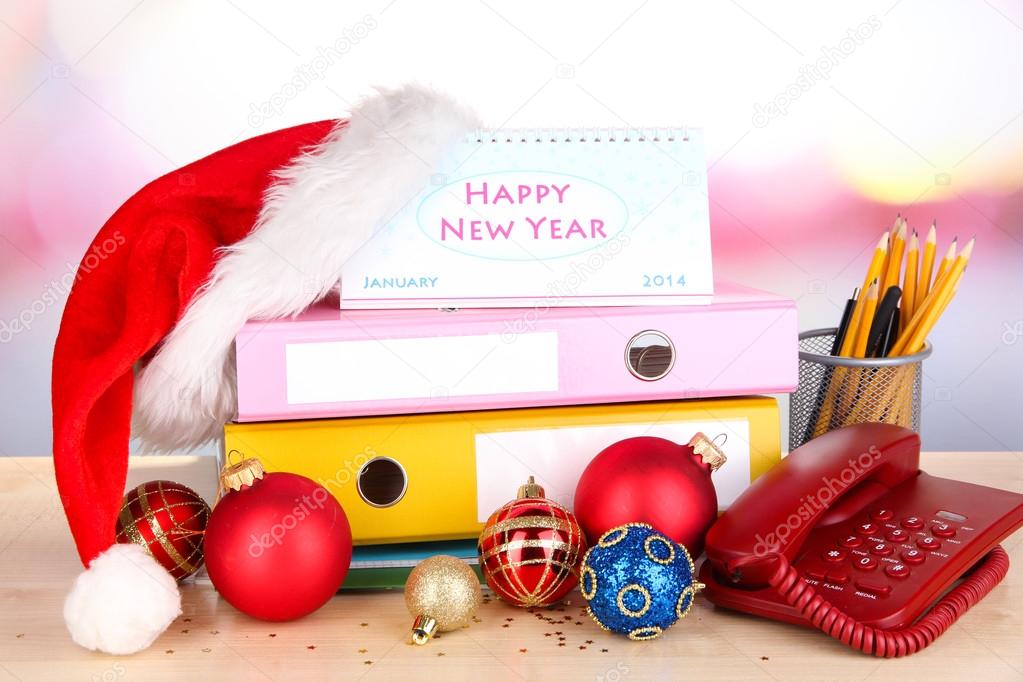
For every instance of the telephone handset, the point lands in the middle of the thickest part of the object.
(846, 534)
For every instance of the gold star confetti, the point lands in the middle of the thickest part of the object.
(589, 641)
(206, 650)
(19, 635)
(363, 624)
(368, 662)
(561, 644)
(169, 651)
(440, 653)
(185, 631)
(522, 651)
(362, 651)
(581, 647)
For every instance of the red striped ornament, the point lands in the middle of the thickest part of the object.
(530, 549)
(168, 520)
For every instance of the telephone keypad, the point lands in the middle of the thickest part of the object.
(881, 539)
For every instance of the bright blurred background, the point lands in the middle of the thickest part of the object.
(824, 121)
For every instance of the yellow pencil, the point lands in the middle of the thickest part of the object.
(866, 319)
(946, 262)
(923, 286)
(919, 338)
(909, 282)
(893, 268)
(934, 305)
(873, 272)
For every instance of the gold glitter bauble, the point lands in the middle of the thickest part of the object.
(442, 593)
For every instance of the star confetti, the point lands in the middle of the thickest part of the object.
(311, 647)
(362, 651)
(522, 651)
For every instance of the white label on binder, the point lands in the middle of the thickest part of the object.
(557, 457)
(428, 367)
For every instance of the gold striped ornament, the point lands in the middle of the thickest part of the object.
(530, 549)
(168, 520)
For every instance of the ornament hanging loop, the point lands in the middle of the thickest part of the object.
(708, 450)
(244, 472)
(423, 629)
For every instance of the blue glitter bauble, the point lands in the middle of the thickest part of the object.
(637, 581)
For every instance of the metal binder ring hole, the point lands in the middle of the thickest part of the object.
(382, 482)
(649, 355)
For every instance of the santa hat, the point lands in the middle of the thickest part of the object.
(258, 230)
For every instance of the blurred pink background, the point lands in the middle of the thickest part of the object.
(823, 122)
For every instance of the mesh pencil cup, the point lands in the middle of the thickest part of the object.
(836, 391)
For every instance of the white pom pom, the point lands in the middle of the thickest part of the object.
(122, 602)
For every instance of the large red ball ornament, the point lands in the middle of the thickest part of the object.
(655, 481)
(278, 545)
(530, 549)
(168, 520)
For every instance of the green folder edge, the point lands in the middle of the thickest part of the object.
(384, 578)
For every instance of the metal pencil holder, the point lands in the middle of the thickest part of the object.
(837, 391)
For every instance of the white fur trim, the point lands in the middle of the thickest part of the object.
(323, 207)
(122, 602)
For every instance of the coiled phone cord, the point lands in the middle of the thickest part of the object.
(875, 641)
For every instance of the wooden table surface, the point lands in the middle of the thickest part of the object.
(363, 636)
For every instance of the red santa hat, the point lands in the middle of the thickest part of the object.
(258, 230)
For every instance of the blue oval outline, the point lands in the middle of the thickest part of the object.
(625, 221)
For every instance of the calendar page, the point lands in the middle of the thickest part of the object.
(554, 218)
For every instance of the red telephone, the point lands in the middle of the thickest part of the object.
(846, 534)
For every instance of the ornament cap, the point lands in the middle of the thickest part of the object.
(423, 629)
(708, 450)
(242, 473)
(531, 490)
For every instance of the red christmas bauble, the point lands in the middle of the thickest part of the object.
(530, 549)
(278, 545)
(167, 519)
(655, 481)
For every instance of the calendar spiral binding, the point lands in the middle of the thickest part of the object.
(560, 135)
